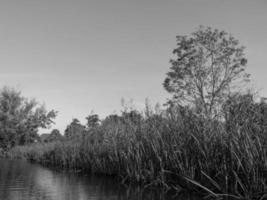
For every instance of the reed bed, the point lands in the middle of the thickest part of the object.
(176, 149)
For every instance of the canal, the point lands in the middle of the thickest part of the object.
(21, 180)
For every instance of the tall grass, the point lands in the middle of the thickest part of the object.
(176, 149)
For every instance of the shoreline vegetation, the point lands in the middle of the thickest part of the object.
(173, 148)
(210, 138)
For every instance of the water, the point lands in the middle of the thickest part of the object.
(20, 180)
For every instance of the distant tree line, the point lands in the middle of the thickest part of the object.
(76, 130)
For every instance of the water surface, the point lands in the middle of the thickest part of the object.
(20, 180)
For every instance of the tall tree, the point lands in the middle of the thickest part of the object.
(209, 65)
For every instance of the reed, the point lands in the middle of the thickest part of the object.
(175, 149)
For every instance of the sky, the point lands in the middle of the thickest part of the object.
(84, 56)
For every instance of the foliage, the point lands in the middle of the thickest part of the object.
(74, 129)
(92, 121)
(20, 118)
(174, 148)
(184, 147)
(53, 136)
(209, 64)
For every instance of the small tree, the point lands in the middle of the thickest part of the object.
(92, 121)
(21, 118)
(208, 66)
(54, 136)
(74, 129)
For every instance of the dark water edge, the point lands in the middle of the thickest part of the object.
(21, 180)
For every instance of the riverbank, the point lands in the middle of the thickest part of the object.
(23, 180)
(176, 150)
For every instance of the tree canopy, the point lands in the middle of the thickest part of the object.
(92, 121)
(209, 65)
(74, 130)
(20, 118)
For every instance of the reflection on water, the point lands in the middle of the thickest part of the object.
(20, 180)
